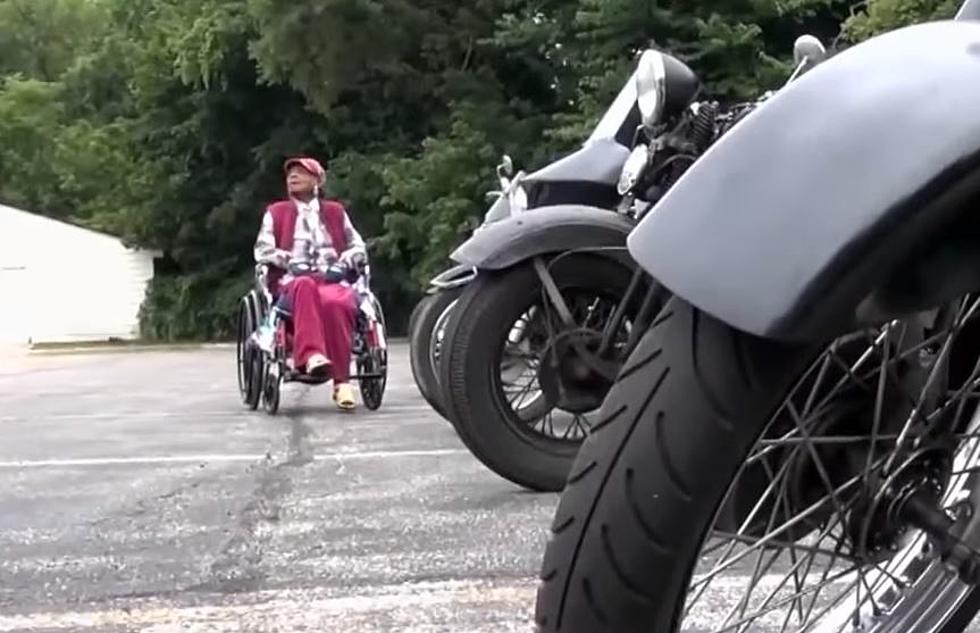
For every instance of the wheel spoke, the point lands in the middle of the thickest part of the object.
(820, 445)
(850, 371)
(790, 545)
(817, 461)
(756, 614)
(933, 374)
(768, 538)
(542, 335)
(524, 391)
(793, 570)
(879, 405)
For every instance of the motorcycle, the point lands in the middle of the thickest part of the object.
(534, 342)
(794, 444)
(426, 323)
(587, 176)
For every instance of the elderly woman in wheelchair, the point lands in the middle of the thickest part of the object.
(317, 306)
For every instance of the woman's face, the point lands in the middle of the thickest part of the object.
(299, 181)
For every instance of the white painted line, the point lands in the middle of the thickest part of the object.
(216, 458)
(366, 610)
(127, 415)
(114, 461)
(412, 606)
(308, 415)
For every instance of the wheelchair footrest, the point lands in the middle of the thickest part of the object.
(366, 376)
(306, 379)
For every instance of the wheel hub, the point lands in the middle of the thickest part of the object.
(569, 381)
(892, 503)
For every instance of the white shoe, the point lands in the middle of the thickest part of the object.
(317, 364)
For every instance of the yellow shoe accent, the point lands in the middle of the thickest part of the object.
(343, 395)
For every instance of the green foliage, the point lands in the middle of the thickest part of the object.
(197, 306)
(885, 15)
(29, 110)
(166, 121)
(42, 38)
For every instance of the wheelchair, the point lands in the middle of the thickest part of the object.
(263, 370)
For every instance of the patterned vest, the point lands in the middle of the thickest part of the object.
(284, 214)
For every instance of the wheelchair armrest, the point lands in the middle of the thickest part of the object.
(262, 280)
(261, 274)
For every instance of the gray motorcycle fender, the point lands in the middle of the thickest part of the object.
(546, 230)
(848, 198)
(452, 277)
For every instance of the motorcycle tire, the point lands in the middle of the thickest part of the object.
(422, 326)
(475, 335)
(687, 407)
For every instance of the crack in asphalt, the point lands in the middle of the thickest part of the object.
(238, 567)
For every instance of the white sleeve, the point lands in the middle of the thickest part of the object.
(265, 245)
(355, 243)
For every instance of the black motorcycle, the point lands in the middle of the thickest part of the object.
(426, 324)
(586, 177)
(794, 444)
(535, 341)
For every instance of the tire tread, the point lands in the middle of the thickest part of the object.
(534, 462)
(621, 565)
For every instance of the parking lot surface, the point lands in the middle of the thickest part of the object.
(137, 493)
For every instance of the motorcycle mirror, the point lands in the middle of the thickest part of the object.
(506, 167)
(808, 48)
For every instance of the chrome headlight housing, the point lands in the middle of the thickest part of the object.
(632, 169)
(651, 79)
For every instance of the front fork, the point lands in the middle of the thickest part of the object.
(653, 298)
(599, 359)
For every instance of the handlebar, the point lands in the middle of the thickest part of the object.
(336, 272)
(969, 10)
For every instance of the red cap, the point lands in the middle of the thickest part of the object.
(311, 165)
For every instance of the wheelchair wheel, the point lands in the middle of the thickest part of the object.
(245, 327)
(372, 389)
(271, 389)
(255, 384)
(249, 359)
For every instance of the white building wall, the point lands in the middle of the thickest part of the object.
(59, 282)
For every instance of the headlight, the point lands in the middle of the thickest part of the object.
(651, 77)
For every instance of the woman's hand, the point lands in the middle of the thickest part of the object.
(353, 258)
(283, 258)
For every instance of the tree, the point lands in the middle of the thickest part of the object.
(42, 38)
(880, 16)
(166, 121)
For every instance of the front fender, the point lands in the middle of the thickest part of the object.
(827, 207)
(452, 277)
(544, 230)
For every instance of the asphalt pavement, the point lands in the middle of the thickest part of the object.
(138, 494)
